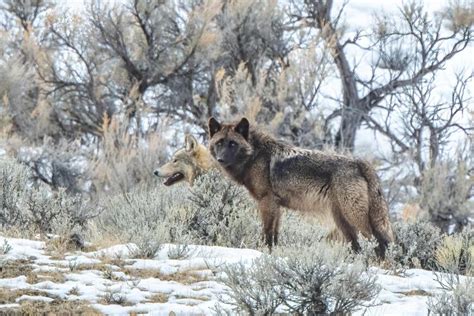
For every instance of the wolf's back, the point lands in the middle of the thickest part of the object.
(378, 208)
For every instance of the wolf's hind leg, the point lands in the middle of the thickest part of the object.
(351, 209)
(348, 231)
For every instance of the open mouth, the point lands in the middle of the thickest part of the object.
(174, 178)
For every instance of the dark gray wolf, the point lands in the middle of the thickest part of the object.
(343, 190)
(186, 163)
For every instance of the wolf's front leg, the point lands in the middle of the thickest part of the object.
(276, 224)
(270, 214)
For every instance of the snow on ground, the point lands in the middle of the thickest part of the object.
(114, 283)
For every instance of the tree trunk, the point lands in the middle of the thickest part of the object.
(351, 119)
(352, 108)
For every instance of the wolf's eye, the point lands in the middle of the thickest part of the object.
(232, 143)
(175, 161)
(219, 143)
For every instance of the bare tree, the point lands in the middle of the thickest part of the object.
(129, 60)
(270, 74)
(21, 26)
(406, 48)
(421, 124)
(26, 11)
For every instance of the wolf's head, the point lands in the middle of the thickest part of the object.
(186, 163)
(229, 144)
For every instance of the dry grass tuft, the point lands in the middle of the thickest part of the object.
(74, 291)
(8, 296)
(16, 268)
(185, 277)
(197, 298)
(100, 239)
(114, 296)
(416, 293)
(58, 247)
(57, 307)
(158, 298)
(101, 266)
(118, 262)
(53, 276)
(456, 254)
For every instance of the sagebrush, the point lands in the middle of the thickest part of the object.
(32, 208)
(321, 279)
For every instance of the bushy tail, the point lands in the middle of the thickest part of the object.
(378, 208)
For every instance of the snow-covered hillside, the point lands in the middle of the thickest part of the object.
(112, 283)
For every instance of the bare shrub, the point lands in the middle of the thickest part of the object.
(315, 280)
(367, 253)
(324, 279)
(458, 301)
(445, 191)
(5, 248)
(299, 230)
(124, 159)
(113, 296)
(13, 180)
(222, 213)
(415, 244)
(57, 212)
(143, 217)
(148, 242)
(60, 165)
(455, 256)
(253, 288)
(38, 209)
(456, 253)
(178, 252)
(213, 212)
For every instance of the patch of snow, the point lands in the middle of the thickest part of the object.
(34, 298)
(406, 305)
(117, 251)
(78, 260)
(158, 309)
(15, 283)
(23, 248)
(9, 306)
(194, 290)
(46, 268)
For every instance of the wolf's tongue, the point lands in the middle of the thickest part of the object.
(175, 177)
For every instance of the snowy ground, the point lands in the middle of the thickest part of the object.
(111, 282)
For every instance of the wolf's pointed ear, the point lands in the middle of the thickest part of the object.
(190, 143)
(214, 126)
(243, 128)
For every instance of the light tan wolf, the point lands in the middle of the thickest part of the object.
(186, 163)
(344, 190)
